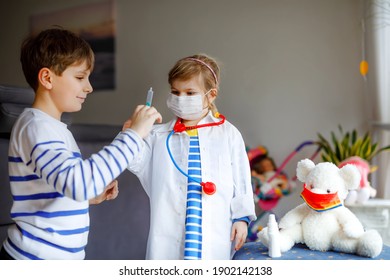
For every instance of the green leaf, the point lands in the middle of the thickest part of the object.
(345, 146)
(326, 157)
(355, 149)
(323, 141)
(364, 146)
(353, 137)
(383, 149)
(374, 148)
(324, 144)
(337, 146)
(340, 129)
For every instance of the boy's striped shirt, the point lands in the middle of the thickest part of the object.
(51, 185)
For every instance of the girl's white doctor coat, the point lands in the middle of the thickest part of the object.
(224, 162)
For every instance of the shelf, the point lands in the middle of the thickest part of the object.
(374, 214)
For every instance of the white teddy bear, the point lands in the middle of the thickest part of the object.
(322, 222)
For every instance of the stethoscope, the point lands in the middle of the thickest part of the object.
(209, 188)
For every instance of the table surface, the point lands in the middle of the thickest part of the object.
(257, 251)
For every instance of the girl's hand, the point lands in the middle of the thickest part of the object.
(110, 193)
(239, 234)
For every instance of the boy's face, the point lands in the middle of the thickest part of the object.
(70, 90)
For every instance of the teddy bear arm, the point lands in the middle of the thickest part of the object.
(293, 217)
(351, 225)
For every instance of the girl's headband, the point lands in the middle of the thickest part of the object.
(205, 64)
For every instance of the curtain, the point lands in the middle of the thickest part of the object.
(376, 50)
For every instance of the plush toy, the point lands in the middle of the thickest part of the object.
(322, 222)
(364, 191)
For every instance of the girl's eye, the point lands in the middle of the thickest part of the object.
(80, 78)
(175, 92)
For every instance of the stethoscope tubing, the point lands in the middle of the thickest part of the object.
(208, 187)
(174, 162)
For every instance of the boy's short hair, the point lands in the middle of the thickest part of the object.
(55, 49)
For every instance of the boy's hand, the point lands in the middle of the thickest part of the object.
(126, 125)
(142, 120)
(110, 193)
(239, 234)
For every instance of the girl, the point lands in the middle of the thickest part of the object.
(191, 219)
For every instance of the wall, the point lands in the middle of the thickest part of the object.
(290, 69)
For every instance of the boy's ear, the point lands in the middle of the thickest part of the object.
(45, 78)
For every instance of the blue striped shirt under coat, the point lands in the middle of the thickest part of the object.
(193, 224)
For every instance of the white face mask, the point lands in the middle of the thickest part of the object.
(187, 107)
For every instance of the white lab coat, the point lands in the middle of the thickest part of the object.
(224, 162)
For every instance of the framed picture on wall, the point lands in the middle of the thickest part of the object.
(95, 22)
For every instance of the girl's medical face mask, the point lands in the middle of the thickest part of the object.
(320, 202)
(187, 107)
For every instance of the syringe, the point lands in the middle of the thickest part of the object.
(149, 97)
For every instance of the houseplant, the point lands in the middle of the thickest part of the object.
(350, 147)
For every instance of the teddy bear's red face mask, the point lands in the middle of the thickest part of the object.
(320, 202)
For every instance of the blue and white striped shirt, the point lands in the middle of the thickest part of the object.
(51, 185)
(193, 224)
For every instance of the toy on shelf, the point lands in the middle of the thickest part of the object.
(322, 222)
(365, 190)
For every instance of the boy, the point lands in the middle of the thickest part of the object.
(51, 184)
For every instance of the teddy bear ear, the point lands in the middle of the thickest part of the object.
(351, 176)
(303, 169)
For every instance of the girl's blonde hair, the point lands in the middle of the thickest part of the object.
(199, 64)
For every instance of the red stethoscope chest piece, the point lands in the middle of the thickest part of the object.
(209, 188)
